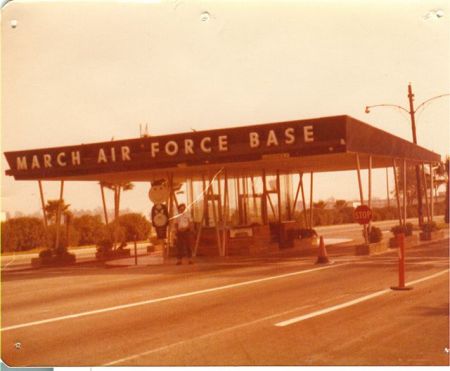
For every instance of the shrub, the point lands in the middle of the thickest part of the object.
(135, 226)
(429, 227)
(24, 233)
(71, 233)
(46, 254)
(407, 230)
(88, 228)
(375, 234)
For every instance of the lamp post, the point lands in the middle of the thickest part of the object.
(412, 113)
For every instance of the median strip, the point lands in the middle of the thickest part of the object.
(167, 298)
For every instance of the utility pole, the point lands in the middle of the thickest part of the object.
(447, 170)
(418, 182)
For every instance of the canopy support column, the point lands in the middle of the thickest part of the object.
(41, 193)
(279, 197)
(431, 192)
(105, 211)
(397, 194)
(216, 224)
(311, 206)
(304, 202)
(265, 216)
(361, 196)
(387, 189)
(425, 192)
(405, 215)
(226, 203)
(58, 215)
(294, 206)
(369, 200)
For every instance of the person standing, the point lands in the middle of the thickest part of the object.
(183, 226)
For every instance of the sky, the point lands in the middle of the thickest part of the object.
(82, 71)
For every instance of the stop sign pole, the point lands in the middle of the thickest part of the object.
(363, 215)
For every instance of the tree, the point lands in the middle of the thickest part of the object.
(51, 209)
(340, 204)
(117, 188)
(135, 225)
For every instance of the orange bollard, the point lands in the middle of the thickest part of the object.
(322, 257)
(401, 263)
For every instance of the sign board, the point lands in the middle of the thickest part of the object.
(362, 214)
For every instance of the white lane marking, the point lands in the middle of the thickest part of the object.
(172, 297)
(204, 336)
(351, 302)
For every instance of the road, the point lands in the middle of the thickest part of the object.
(272, 310)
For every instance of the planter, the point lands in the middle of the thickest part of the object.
(371, 248)
(113, 254)
(52, 261)
(410, 241)
(434, 235)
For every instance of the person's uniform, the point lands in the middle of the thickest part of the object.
(183, 223)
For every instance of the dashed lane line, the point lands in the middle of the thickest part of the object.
(166, 298)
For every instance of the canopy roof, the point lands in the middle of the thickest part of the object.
(318, 145)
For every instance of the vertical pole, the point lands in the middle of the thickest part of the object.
(387, 189)
(264, 210)
(287, 183)
(226, 212)
(41, 192)
(245, 199)
(171, 213)
(205, 216)
(425, 191)
(311, 206)
(413, 127)
(255, 206)
(239, 199)
(135, 251)
(369, 201)
(304, 202)
(279, 197)
(297, 192)
(397, 194)
(216, 224)
(58, 214)
(405, 216)
(361, 196)
(105, 211)
(219, 203)
(431, 192)
(190, 186)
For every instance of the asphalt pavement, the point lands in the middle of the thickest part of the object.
(280, 309)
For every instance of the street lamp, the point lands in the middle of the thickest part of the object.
(412, 113)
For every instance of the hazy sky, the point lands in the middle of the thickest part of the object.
(83, 71)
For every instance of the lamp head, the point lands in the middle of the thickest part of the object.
(367, 109)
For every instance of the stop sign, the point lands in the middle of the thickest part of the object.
(362, 214)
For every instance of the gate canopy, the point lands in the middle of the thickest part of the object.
(317, 145)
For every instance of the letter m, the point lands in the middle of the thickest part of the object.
(22, 163)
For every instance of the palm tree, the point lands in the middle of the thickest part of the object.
(117, 188)
(51, 209)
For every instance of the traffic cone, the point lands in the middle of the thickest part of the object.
(322, 258)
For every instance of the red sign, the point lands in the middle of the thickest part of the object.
(362, 214)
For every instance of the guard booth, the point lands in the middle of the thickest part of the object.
(247, 188)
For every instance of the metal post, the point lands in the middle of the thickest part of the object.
(255, 206)
(401, 263)
(361, 196)
(265, 215)
(405, 216)
(135, 251)
(58, 215)
(105, 211)
(431, 192)
(397, 194)
(413, 126)
(216, 224)
(311, 206)
(387, 189)
(287, 183)
(239, 200)
(226, 205)
(369, 198)
(297, 192)
(279, 197)
(425, 192)
(304, 202)
(41, 192)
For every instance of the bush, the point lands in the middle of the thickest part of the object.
(72, 233)
(407, 230)
(24, 233)
(135, 226)
(46, 254)
(429, 227)
(375, 234)
(88, 228)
